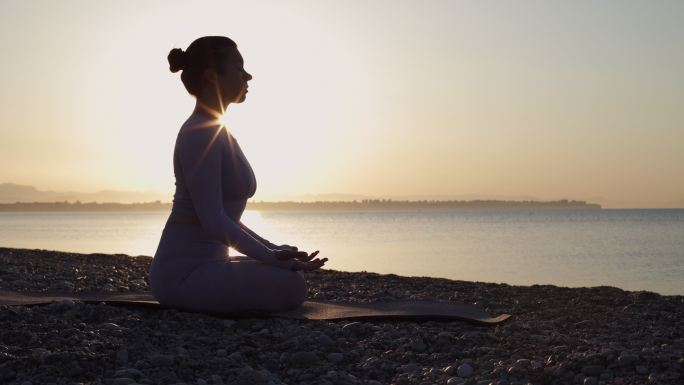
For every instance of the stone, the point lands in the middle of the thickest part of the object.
(450, 370)
(455, 381)
(408, 368)
(445, 335)
(228, 323)
(122, 381)
(590, 381)
(303, 358)
(322, 339)
(335, 358)
(109, 287)
(161, 360)
(67, 304)
(66, 285)
(354, 328)
(128, 372)
(593, 370)
(122, 357)
(641, 369)
(465, 371)
(627, 359)
(417, 345)
(110, 326)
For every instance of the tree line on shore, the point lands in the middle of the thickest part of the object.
(365, 204)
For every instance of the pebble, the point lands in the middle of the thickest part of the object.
(335, 357)
(464, 371)
(592, 370)
(123, 381)
(449, 370)
(303, 358)
(161, 360)
(641, 369)
(108, 287)
(122, 357)
(445, 335)
(128, 372)
(322, 339)
(455, 381)
(417, 345)
(110, 326)
(228, 323)
(76, 342)
(627, 359)
(354, 328)
(67, 304)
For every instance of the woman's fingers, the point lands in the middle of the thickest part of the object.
(310, 265)
(285, 255)
(307, 257)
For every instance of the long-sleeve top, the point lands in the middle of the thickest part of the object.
(213, 182)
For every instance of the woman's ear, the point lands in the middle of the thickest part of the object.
(209, 76)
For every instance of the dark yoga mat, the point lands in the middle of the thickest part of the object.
(312, 309)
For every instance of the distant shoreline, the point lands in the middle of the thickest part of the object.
(364, 205)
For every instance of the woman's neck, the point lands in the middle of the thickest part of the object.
(208, 109)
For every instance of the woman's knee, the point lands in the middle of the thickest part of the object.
(297, 290)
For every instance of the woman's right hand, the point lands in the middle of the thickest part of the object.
(309, 265)
(301, 259)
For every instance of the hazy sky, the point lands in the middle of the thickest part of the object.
(545, 99)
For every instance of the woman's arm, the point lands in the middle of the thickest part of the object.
(257, 236)
(201, 157)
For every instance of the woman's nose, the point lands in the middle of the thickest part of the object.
(248, 75)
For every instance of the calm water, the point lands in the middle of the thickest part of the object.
(630, 249)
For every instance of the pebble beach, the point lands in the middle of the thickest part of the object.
(557, 335)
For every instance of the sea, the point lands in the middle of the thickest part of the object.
(632, 249)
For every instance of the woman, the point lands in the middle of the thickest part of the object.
(191, 267)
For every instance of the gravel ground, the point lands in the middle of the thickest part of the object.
(558, 335)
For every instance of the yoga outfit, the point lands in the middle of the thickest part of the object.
(191, 269)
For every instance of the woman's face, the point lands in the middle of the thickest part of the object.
(232, 78)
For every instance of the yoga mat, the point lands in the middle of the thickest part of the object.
(312, 309)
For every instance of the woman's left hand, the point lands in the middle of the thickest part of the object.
(287, 248)
(303, 256)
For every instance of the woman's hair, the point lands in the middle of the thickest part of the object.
(205, 52)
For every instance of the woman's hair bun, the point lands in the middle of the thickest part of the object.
(177, 59)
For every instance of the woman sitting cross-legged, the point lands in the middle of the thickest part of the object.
(191, 267)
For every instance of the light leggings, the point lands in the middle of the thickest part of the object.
(191, 271)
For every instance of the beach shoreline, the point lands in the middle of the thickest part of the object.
(557, 335)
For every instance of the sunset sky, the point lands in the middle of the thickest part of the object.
(547, 100)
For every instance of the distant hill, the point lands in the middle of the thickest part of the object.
(11, 193)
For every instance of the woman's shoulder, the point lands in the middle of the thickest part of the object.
(199, 127)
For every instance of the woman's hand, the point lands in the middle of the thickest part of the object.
(286, 248)
(303, 256)
(302, 260)
(308, 266)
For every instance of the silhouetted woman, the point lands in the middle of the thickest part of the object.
(191, 267)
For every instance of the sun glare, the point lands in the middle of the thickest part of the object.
(223, 120)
